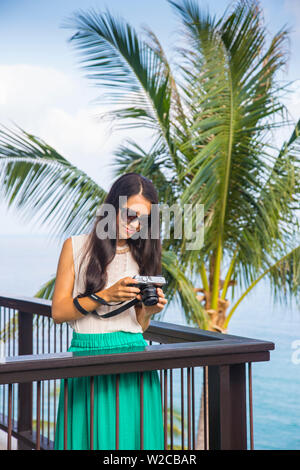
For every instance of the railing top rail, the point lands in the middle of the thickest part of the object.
(162, 356)
(27, 304)
(183, 346)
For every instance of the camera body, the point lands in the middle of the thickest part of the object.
(147, 285)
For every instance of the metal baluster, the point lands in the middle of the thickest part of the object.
(193, 406)
(4, 347)
(43, 334)
(8, 336)
(65, 414)
(14, 342)
(161, 390)
(165, 410)
(48, 399)
(117, 411)
(38, 336)
(250, 405)
(4, 337)
(54, 326)
(9, 417)
(142, 409)
(4, 403)
(182, 411)
(189, 405)
(161, 386)
(92, 413)
(43, 384)
(15, 394)
(60, 337)
(171, 406)
(38, 415)
(14, 353)
(51, 406)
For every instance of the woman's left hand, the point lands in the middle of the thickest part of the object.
(152, 309)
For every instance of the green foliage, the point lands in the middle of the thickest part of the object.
(213, 128)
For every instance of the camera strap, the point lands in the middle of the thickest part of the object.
(114, 312)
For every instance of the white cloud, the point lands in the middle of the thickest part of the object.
(77, 137)
(51, 105)
(56, 107)
(28, 89)
(77, 131)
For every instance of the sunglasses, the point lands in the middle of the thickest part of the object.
(129, 215)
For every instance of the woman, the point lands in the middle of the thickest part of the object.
(92, 264)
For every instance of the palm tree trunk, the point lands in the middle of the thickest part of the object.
(216, 323)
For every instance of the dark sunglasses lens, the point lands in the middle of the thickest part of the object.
(131, 215)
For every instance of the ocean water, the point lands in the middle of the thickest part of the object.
(28, 261)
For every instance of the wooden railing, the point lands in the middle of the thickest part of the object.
(212, 364)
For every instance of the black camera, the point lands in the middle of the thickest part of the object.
(147, 285)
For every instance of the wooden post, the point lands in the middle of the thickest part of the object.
(25, 341)
(227, 407)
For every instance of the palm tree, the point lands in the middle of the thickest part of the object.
(213, 131)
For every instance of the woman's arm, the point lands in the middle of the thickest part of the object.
(63, 308)
(142, 317)
(144, 313)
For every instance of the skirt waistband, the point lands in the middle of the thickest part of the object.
(107, 340)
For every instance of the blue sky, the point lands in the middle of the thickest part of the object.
(44, 91)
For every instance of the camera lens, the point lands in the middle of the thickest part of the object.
(149, 295)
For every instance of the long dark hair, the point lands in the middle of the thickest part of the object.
(146, 252)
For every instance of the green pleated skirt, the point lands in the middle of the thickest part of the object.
(104, 430)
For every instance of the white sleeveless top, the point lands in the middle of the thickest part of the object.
(121, 266)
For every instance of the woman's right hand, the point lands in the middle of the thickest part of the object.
(120, 291)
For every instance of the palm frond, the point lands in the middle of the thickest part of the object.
(132, 71)
(273, 226)
(46, 291)
(37, 180)
(177, 112)
(131, 157)
(231, 106)
(284, 274)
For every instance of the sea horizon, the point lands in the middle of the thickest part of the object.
(276, 383)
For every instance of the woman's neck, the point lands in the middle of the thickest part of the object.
(121, 243)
